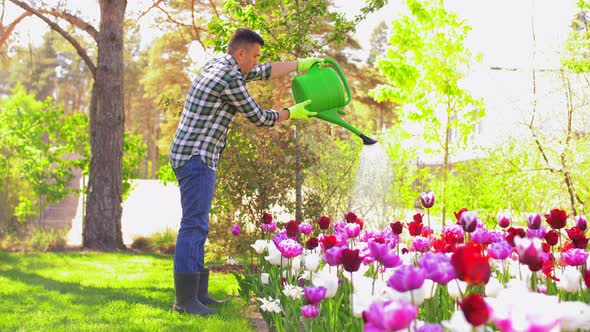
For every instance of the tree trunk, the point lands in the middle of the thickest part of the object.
(102, 227)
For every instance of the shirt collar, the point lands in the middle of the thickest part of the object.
(232, 62)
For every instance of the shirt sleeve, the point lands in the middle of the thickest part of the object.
(260, 72)
(238, 97)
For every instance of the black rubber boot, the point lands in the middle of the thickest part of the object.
(186, 286)
(203, 293)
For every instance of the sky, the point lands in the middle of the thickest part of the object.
(501, 29)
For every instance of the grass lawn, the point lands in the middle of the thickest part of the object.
(76, 291)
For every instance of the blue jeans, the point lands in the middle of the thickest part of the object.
(197, 184)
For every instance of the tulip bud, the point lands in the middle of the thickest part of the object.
(533, 220)
(427, 199)
(468, 221)
(582, 222)
(503, 220)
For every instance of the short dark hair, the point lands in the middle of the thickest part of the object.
(243, 37)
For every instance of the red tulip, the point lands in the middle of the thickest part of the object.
(418, 217)
(328, 241)
(324, 222)
(350, 217)
(551, 237)
(513, 232)
(360, 222)
(556, 218)
(470, 265)
(396, 227)
(578, 238)
(266, 218)
(587, 278)
(292, 229)
(475, 309)
(350, 260)
(415, 228)
(312, 243)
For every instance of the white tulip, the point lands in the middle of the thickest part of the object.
(429, 288)
(456, 287)
(312, 262)
(569, 279)
(575, 315)
(493, 287)
(275, 257)
(328, 280)
(259, 246)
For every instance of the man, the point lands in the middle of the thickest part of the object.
(216, 95)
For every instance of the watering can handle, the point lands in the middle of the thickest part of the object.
(342, 78)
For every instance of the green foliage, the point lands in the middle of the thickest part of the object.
(577, 52)
(42, 146)
(133, 153)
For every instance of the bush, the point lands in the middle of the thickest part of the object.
(160, 242)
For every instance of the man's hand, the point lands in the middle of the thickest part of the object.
(305, 64)
(298, 111)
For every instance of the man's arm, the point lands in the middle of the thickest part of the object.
(279, 69)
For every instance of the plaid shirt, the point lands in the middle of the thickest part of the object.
(215, 96)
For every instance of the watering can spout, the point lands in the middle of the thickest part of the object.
(367, 140)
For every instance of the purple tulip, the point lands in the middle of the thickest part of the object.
(391, 315)
(333, 255)
(481, 235)
(427, 199)
(310, 311)
(421, 244)
(538, 233)
(500, 250)
(384, 253)
(533, 220)
(280, 237)
(271, 227)
(468, 221)
(438, 267)
(529, 250)
(305, 228)
(581, 222)
(496, 236)
(236, 230)
(340, 227)
(352, 230)
(406, 277)
(575, 257)
(314, 294)
(290, 248)
(429, 328)
(503, 220)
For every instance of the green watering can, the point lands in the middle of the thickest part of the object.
(326, 85)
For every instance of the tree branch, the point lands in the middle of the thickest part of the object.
(74, 20)
(7, 30)
(81, 51)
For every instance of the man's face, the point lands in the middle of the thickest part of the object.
(247, 57)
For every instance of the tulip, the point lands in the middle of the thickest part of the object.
(551, 237)
(459, 213)
(324, 222)
(383, 253)
(575, 257)
(538, 233)
(475, 309)
(397, 227)
(266, 218)
(579, 240)
(292, 229)
(575, 315)
(421, 244)
(481, 236)
(279, 237)
(456, 288)
(587, 278)
(529, 251)
(503, 220)
(556, 218)
(513, 233)
(314, 294)
(351, 261)
(333, 256)
(327, 280)
(406, 277)
(270, 227)
(581, 222)
(415, 228)
(350, 217)
(468, 221)
(437, 268)
(569, 279)
(493, 287)
(305, 228)
(264, 278)
(352, 230)
(500, 250)
(312, 243)
(533, 220)
(290, 248)
(470, 265)
(310, 311)
(391, 315)
(312, 262)
(429, 328)
(260, 245)
(427, 199)
(274, 256)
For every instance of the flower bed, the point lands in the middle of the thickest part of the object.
(335, 276)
